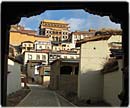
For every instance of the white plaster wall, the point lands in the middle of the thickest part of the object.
(44, 46)
(115, 38)
(113, 85)
(13, 78)
(90, 80)
(69, 56)
(27, 44)
(34, 54)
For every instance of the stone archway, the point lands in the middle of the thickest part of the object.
(13, 11)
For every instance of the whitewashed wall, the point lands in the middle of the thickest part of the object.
(90, 80)
(115, 38)
(34, 55)
(13, 78)
(75, 56)
(113, 85)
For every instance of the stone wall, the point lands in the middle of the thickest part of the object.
(68, 83)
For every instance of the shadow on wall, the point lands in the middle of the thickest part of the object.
(90, 85)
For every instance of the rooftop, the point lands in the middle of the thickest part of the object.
(65, 61)
(92, 38)
(35, 52)
(27, 42)
(65, 52)
(14, 59)
(54, 21)
(83, 32)
(108, 32)
(35, 61)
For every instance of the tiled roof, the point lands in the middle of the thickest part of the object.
(109, 32)
(65, 61)
(55, 21)
(83, 32)
(28, 31)
(26, 42)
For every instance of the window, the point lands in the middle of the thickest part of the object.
(65, 56)
(40, 46)
(47, 73)
(77, 57)
(63, 45)
(48, 47)
(58, 56)
(51, 56)
(55, 56)
(94, 48)
(37, 57)
(43, 57)
(29, 57)
(28, 48)
(23, 47)
(72, 57)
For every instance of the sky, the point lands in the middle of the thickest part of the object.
(77, 19)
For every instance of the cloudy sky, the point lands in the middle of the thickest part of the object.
(78, 20)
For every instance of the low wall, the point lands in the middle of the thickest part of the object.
(91, 86)
(113, 85)
(13, 78)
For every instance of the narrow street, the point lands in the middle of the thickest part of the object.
(42, 97)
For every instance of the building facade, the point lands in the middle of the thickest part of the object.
(68, 46)
(95, 52)
(41, 45)
(64, 75)
(64, 55)
(78, 35)
(27, 46)
(17, 37)
(33, 55)
(56, 30)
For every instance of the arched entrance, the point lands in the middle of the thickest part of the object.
(12, 12)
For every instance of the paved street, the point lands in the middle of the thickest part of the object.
(42, 97)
